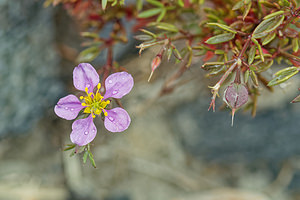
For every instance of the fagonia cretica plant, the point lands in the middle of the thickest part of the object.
(247, 45)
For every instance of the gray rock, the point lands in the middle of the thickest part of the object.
(28, 64)
(272, 136)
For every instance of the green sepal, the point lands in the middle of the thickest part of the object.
(69, 147)
(91, 158)
(85, 155)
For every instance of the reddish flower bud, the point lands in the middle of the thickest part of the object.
(154, 64)
(235, 95)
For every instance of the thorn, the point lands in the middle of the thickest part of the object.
(232, 116)
(150, 76)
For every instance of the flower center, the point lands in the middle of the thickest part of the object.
(94, 103)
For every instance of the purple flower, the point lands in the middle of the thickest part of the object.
(85, 78)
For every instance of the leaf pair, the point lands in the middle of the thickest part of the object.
(225, 37)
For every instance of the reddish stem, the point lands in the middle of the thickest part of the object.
(238, 62)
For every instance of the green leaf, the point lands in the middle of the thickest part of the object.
(104, 4)
(269, 38)
(246, 11)
(216, 71)
(177, 54)
(295, 44)
(150, 13)
(267, 26)
(224, 27)
(225, 37)
(139, 5)
(285, 3)
(212, 65)
(259, 49)
(283, 75)
(276, 23)
(114, 2)
(161, 16)
(201, 52)
(180, 3)
(214, 17)
(89, 54)
(254, 78)
(238, 5)
(263, 66)
(246, 76)
(69, 147)
(219, 52)
(143, 37)
(89, 34)
(166, 26)
(148, 33)
(251, 55)
(156, 3)
(274, 14)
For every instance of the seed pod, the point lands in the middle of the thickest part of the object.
(235, 96)
(154, 64)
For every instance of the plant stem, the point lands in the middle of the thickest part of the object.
(238, 62)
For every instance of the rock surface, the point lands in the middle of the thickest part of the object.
(173, 149)
(28, 64)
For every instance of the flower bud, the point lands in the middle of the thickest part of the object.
(235, 96)
(154, 64)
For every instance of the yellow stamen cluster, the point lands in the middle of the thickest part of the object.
(94, 103)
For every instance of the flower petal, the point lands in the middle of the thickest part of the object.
(83, 131)
(118, 84)
(117, 120)
(68, 107)
(85, 75)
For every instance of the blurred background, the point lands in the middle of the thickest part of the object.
(173, 150)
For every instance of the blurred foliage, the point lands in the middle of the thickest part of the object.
(234, 38)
